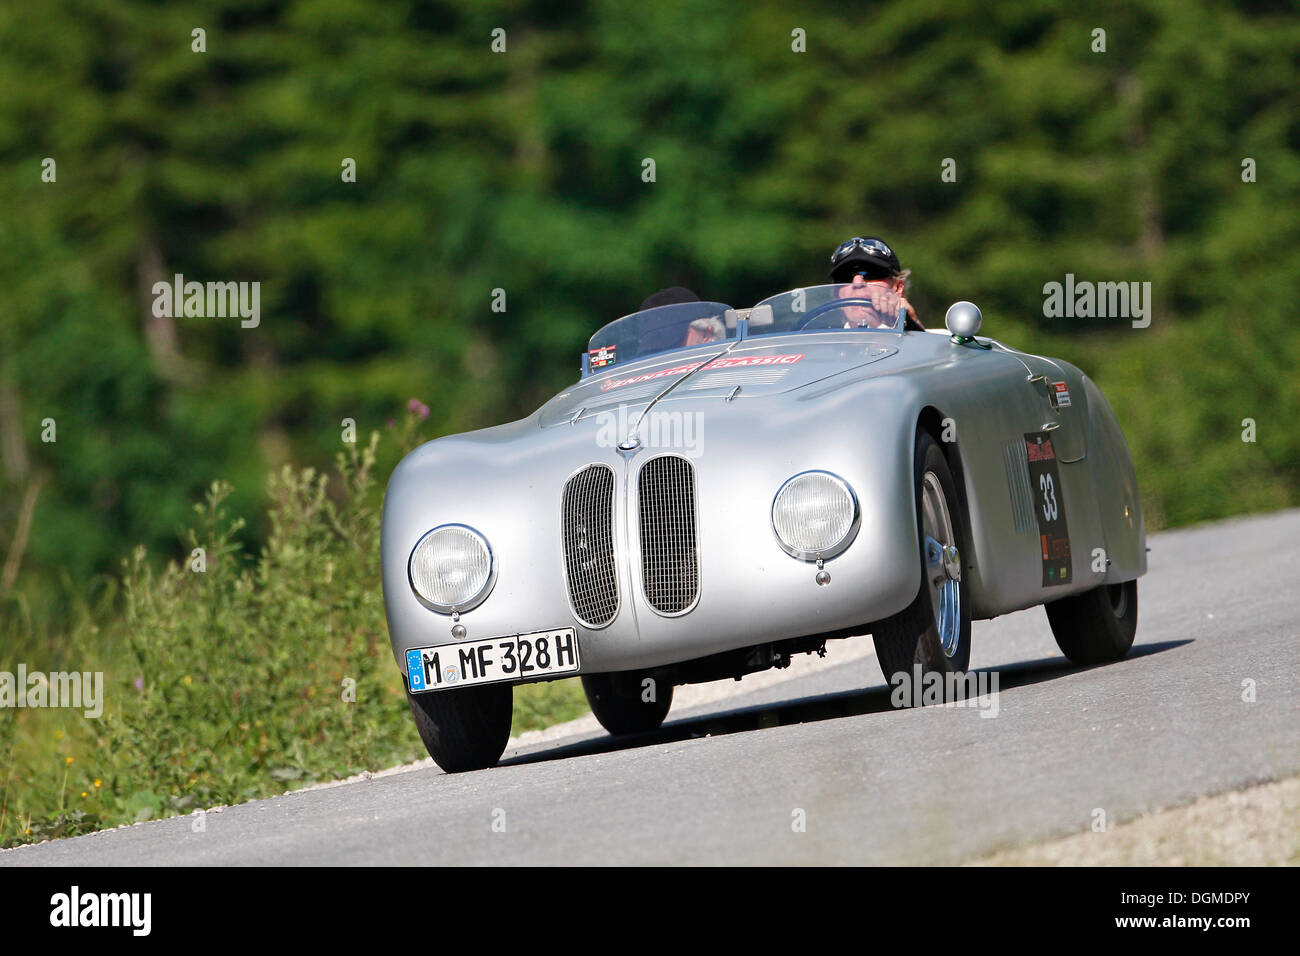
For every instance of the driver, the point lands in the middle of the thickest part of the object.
(870, 269)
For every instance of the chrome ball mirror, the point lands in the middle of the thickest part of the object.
(963, 320)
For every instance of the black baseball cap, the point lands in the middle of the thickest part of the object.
(868, 255)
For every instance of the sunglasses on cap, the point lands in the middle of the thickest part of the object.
(872, 247)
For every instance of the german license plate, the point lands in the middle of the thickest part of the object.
(515, 658)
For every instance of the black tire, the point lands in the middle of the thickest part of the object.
(911, 637)
(464, 729)
(1097, 626)
(616, 701)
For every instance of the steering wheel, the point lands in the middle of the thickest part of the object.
(829, 306)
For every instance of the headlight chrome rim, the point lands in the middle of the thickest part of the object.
(831, 551)
(472, 601)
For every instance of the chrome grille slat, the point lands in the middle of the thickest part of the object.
(623, 393)
(670, 570)
(748, 376)
(1016, 462)
(587, 523)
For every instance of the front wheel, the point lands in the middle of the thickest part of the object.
(464, 729)
(1097, 626)
(932, 634)
(627, 703)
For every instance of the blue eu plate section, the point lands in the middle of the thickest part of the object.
(415, 671)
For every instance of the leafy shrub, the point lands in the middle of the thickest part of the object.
(232, 677)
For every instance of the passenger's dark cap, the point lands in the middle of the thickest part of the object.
(674, 295)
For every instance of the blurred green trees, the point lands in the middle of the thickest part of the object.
(522, 171)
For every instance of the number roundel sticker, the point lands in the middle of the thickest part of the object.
(1053, 534)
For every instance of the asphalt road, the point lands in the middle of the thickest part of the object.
(725, 783)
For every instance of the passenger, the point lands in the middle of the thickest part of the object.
(700, 331)
(704, 331)
(870, 269)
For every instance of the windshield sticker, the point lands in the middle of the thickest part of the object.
(738, 361)
(1060, 395)
(1053, 535)
(602, 356)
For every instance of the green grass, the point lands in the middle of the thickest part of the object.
(257, 674)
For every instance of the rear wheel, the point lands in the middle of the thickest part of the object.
(1097, 626)
(464, 729)
(620, 702)
(932, 634)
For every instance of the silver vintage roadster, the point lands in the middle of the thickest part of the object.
(724, 488)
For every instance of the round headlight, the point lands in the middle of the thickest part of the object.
(451, 568)
(815, 515)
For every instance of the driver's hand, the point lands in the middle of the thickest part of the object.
(886, 303)
(884, 299)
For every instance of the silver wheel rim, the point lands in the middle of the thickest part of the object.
(942, 564)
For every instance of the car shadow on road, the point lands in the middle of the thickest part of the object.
(801, 710)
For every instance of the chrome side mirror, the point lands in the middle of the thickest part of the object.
(963, 320)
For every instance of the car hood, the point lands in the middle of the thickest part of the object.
(752, 369)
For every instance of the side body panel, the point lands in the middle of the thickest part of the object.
(1004, 402)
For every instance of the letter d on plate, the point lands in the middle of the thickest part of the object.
(415, 670)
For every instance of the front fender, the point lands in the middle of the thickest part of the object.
(1118, 499)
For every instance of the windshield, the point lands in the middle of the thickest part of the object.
(874, 305)
(669, 328)
(662, 329)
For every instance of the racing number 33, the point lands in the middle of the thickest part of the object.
(1053, 535)
(1047, 484)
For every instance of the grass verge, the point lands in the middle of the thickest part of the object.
(228, 676)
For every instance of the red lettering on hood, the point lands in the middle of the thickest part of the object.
(738, 361)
